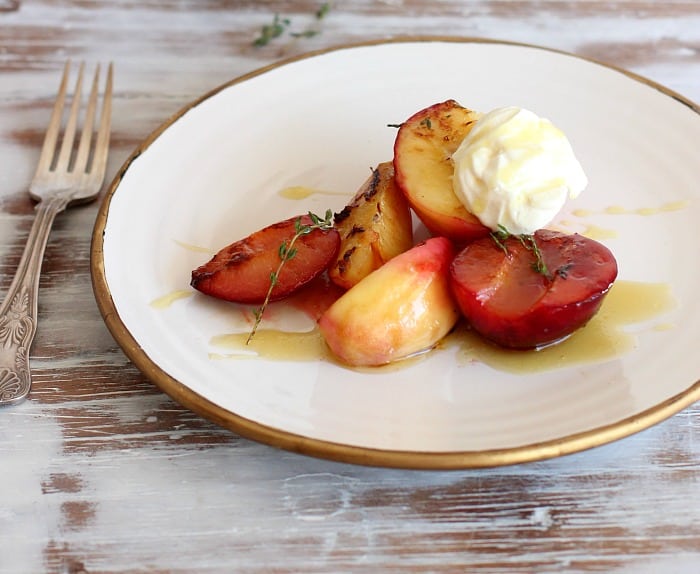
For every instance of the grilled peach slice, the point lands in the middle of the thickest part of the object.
(400, 309)
(423, 162)
(515, 302)
(241, 272)
(374, 227)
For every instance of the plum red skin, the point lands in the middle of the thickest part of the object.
(508, 302)
(240, 272)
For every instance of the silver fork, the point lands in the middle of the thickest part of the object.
(65, 176)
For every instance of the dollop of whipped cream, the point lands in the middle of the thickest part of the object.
(515, 170)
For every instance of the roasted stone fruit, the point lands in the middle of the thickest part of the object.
(423, 162)
(374, 227)
(242, 271)
(400, 309)
(529, 291)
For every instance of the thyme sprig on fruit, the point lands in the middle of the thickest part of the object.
(499, 236)
(528, 241)
(286, 252)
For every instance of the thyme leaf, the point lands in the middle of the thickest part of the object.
(323, 10)
(563, 271)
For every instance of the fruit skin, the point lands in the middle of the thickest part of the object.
(423, 162)
(510, 303)
(374, 227)
(402, 308)
(241, 271)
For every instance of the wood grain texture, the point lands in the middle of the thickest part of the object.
(100, 472)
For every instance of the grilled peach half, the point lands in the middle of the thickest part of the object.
(423, 163)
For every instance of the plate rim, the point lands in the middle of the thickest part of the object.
(320, 448)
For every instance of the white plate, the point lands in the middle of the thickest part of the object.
(212, 174)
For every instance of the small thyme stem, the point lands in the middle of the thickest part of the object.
(286, 252)
(528, 242)
(539, 265)
(499, 236)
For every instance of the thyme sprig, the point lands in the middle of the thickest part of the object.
(528, 241)
(539, 265)
(286, 252)
(271, 31)
(280, 25)
(499, 236)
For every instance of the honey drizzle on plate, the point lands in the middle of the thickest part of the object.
(603, 338)
(301, 192)
(166, 300)
(274, 345)
(645, 211)
(600, 233)
(194, 248)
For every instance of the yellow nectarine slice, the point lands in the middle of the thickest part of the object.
(374, 227)
(400, 309)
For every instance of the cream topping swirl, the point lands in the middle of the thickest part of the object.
(515, 170)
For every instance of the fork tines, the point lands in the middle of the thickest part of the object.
(67, 157)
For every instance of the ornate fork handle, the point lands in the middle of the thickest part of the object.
(66, 173)
(18, 313)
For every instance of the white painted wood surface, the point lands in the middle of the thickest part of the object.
(100, 472)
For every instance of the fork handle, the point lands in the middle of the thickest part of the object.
(18, 313)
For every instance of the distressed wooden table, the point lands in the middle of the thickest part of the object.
(101, 472)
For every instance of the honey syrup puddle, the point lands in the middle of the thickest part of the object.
(273, 345)
(603, 338)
